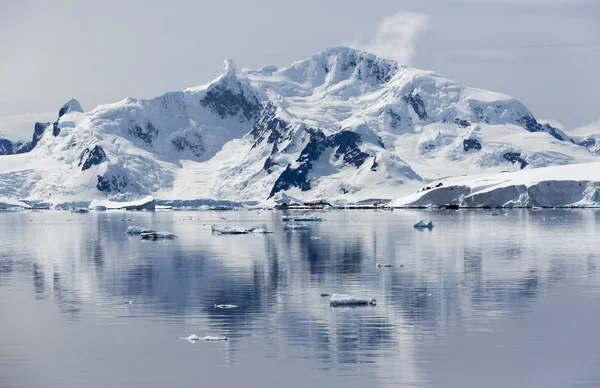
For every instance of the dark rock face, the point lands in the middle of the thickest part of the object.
(92, 158)
(268, 124)
(268, 164)
(532, 125)
(587, 143)
(38, 131)
(113, 183)
(375, 164)
(417, 104)
(195, 145)
(225, 103)
(346, 145)
(515, 157)
(373, 71)
(462, 123)
(395, 119)
(7, 147)
(146, 134)
(55, 129)
(471, 144)
(480, 115)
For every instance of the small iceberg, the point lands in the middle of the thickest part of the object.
(138, 230)
(296, 227)
(226, 306)
(100, 208)
(157, 235)
(498, 212)
(80, 210)
(347, 300)
(301, 217)
(421, 225)
(379, 265)
(316, 237)
(209, 338)
(260, 228)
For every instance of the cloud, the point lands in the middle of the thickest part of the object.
(593, 127)
(552, 122)
(396, 36)
(20, 126)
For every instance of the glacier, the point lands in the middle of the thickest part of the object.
(343, 126)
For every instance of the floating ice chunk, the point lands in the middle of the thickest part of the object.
(157, 235)
(379, 265)
(498, 212)
(192, 338)
(316, 237)
(260, 228)
(296, 227)
(138, 230)
(210, 338)
(125, 220)
(301, 217)
(128, 302)
(80, 210)
(347, 300)
(100, 208)
(226, 306)
(422, 224)
(229, 230)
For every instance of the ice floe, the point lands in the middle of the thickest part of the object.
(296, 227)
(226, 306)
(347, 300)
(380, 265)
(260, 228)
(157, 235)
(138, 230)
(301, 217)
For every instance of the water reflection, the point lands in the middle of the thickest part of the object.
(469, 272)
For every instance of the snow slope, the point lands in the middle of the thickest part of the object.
(340, 125)
(575, 185)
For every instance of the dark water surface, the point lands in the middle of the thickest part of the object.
(482, 301)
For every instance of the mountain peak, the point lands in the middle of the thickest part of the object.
(70, 106)
(339, 63)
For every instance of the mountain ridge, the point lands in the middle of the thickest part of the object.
(342, 125)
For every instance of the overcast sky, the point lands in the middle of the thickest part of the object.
(544, 52)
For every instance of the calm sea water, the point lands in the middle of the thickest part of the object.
(482, 301)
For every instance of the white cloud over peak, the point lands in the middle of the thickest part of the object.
(396, 36)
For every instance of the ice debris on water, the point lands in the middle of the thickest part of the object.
(157, 235)
(80, 210)
(138, 230)
(128, 302)
(209, 338)
(125, 220)
(296, 227)
(226, 306)
(421, 224)
(260, 228)
(302, 217)
(316, 237)
(498, 212)
(380, 265)
(347, 300)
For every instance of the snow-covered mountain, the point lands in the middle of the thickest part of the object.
(341, 124)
